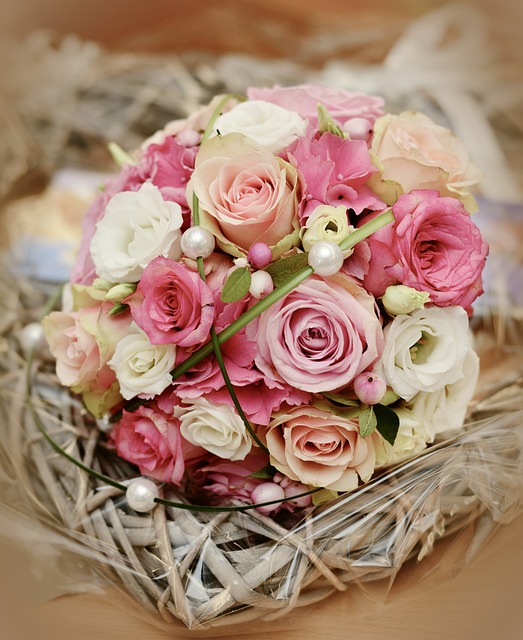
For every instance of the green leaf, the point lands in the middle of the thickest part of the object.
(388, 422)
(118, 308)
(237, 285)
(339, 399)
(367, 421)
(266, 473)
(324, 495)
(326, 123)
(284, 268)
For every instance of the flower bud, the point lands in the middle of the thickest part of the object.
(369, 387)
(326, 223)
(261, 284)
(120, 291)
(400, 299)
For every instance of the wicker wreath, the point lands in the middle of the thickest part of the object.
(208, 569)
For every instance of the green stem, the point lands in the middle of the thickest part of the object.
(279, 292)
(216, 113)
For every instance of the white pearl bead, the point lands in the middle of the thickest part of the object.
(141, 493)
(197, 242)
(31, 337)
(326, 258)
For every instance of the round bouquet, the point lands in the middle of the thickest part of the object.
(268, 314)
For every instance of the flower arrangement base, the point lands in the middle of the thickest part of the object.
(208, 569)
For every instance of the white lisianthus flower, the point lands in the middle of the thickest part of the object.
(425, 351)
(137, 227)
(445, 410)
(411, 439)
(272, 127)
(141, 368)
(326, 223)
(215, 427)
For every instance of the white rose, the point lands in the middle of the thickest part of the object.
(141, 368)
(326, 223)
(425, 351)
(272, 127)
(411, 439)
(445, 410)
(137, 227)
(215, 427)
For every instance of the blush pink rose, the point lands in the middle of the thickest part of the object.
(320, 449)
(416, 153)
(151, 440)
(172, 304)
(78, 359)
(434, 246)
(246, 195)
(303, 99)
(320, 336)
(335, 172)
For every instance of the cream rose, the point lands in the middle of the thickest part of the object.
(411, 439)
(416, 153)
(137, 227)
(272, 127)
(425, 351)
(142, 369)
(246, 195)
(445, 410)
(326, 223)
(320, 449)
(215, 427)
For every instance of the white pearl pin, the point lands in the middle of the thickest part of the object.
(140, 495)
(326, 258)
(197, 242)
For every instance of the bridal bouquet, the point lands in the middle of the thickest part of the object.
(272, 299)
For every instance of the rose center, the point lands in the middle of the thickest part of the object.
(313, 340)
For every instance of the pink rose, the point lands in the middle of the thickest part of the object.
(303, 99)
(151, 440)
(320, 449)
(434, 246)
(246, 195)
(172, 304)
(320, 336)
(416, 153)
(335, 172)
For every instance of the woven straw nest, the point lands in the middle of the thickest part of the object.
(207, 569)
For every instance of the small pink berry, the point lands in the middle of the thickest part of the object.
(358, 129)
(265, 492)
(294, 489)
(260, 255)
(369, 387)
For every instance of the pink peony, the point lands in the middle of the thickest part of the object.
(303, 99)
(434, 246)
(335, 172)
(151, 440)
(172, 304)
(319, 448)
(320, 336)
(246, 195)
